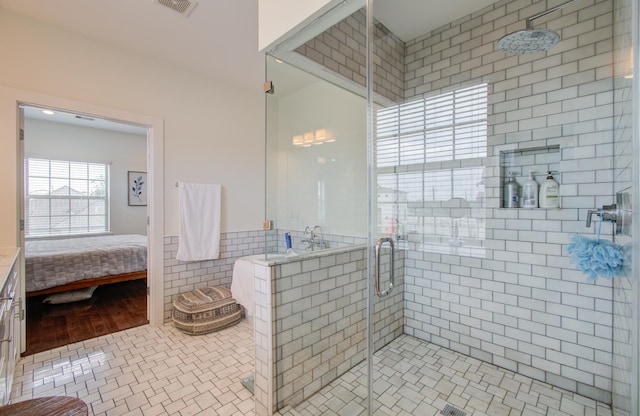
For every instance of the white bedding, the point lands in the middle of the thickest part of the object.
(56, 262)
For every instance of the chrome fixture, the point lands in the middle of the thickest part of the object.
(376, 271)
(625, 212)
(608, 213)
(311, 238)
(620, 213)
(532, 40)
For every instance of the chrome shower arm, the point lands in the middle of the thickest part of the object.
(546, 12)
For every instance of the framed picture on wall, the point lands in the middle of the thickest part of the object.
(137, 188)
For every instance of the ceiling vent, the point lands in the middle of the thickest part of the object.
(183, 7)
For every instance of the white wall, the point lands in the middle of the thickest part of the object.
(213, 132)
(124, 152)
(277, 19)
(339, 167)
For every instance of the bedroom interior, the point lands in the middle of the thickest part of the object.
(85, 235)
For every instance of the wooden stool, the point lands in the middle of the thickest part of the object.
(47, 406)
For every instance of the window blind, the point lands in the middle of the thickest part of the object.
(65, 197)
(449, 126)
(422, 188)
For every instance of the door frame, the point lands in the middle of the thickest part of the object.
(10, 100)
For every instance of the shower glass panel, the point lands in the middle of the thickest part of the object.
(316, 192)
(625, 356)
(316, 162)
(428, 169)
(451, 115)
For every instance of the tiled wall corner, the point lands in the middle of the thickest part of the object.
(181, 277)
(342, 49)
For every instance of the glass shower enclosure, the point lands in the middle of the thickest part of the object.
(390, 134)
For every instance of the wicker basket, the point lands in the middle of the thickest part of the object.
(205, 310)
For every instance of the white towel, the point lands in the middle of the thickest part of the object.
(242, 282)
(199, 237)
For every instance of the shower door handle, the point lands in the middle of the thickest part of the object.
(376, 271)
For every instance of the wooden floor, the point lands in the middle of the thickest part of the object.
(112, 308)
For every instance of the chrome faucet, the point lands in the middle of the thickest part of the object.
(311, 238)
(321, 243)
(607, 213)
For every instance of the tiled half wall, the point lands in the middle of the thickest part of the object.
(310, 322)
(181, 277)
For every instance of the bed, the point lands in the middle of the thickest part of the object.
(58, 265)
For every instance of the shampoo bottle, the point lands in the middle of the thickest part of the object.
(549, 193)
(511, 192)
(287, 242)
(530, 192)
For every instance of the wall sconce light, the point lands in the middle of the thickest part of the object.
(320, 136)
(308, 139)
(312, 137)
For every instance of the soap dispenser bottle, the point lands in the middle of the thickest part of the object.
(511, 192)
(530, 192)
(549, 193)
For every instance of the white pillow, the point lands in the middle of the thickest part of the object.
(70, 296)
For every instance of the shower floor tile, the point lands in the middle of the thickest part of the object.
(414, 377)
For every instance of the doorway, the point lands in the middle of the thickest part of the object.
(11, 180)
(85, 228)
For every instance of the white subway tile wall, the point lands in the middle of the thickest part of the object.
(527, 309)
(310, 322)
(181, 277)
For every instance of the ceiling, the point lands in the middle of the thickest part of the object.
(82, 120)
(218, 38)
(409, 19)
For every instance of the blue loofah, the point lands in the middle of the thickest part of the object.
(596, 258)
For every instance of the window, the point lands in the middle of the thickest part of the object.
(451, 126)
(430, 170)
(65, 197)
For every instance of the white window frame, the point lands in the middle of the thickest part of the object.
(71, 228)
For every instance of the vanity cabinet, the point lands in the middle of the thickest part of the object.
(10, 316)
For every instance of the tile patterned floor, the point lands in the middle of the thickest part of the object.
(419, 378)
(159, 371)
(147, 371)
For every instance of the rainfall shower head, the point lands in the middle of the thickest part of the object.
(532, 40)
(528, 41)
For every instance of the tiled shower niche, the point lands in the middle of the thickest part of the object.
(520, 161)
